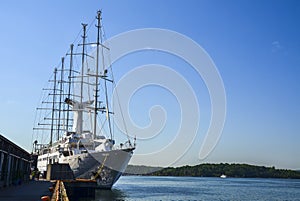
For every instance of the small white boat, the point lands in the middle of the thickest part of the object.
(223, 176)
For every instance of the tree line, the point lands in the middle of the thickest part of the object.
(230, 170)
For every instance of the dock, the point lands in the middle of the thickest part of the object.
(59, 185)
(29, 191)
(62, 190)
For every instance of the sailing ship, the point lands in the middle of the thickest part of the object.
(73, 106)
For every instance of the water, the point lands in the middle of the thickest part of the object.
(199, 188)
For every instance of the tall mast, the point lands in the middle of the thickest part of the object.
(99, 43)
(82, 61)
(97, 71)
(60, 96)
(53, 109)
(69, 82)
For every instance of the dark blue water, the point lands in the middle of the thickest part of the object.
(199, 188)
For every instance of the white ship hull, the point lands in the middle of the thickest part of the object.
(105, 167)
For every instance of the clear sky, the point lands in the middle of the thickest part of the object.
(254, 44)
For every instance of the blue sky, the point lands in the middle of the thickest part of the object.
(254, 44)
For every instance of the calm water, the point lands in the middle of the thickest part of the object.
(197, 188)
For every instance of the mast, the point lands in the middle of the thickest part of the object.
(69, 82)
(53, 105)
(103, 76)
(60, 96)
(97, 72)
(82, 61)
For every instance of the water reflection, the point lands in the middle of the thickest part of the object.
(108, 195)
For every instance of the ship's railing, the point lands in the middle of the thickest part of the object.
(127, 145)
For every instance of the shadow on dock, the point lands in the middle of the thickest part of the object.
(30, 191)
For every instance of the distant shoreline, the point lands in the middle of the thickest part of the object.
(215, 170)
